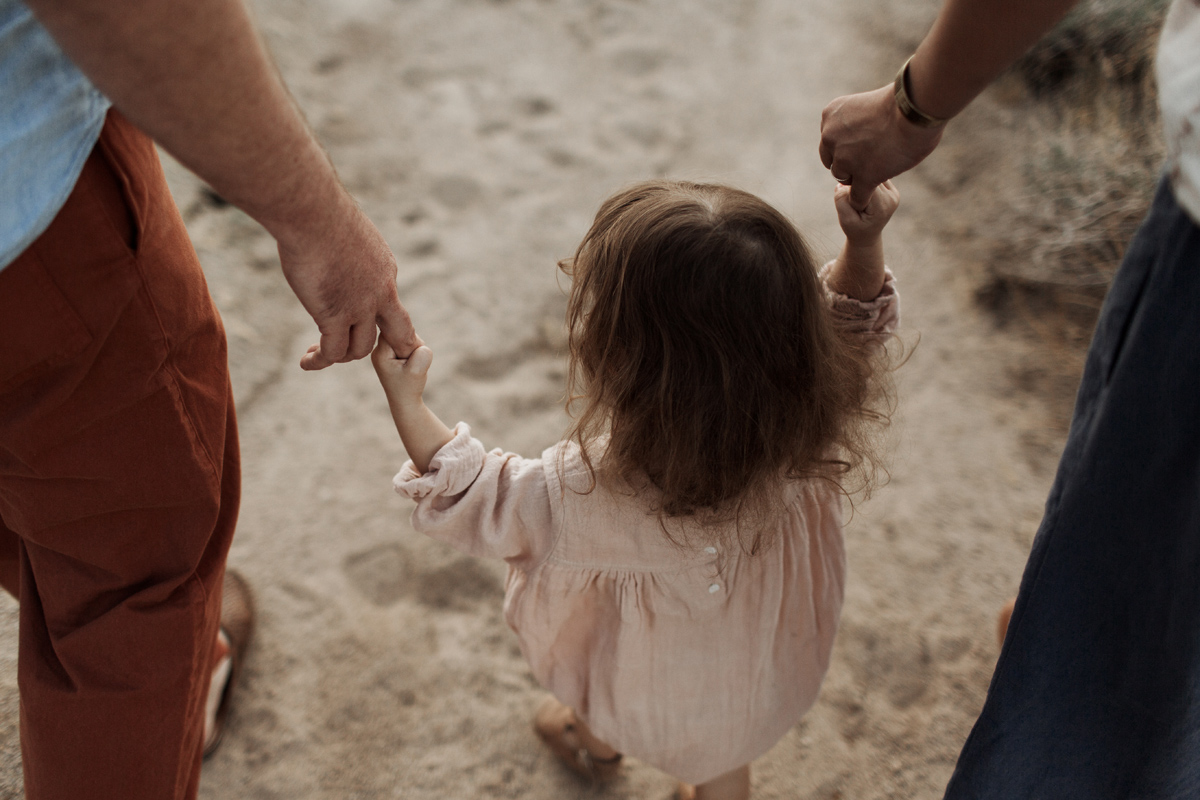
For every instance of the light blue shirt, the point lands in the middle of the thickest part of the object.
(50, 119)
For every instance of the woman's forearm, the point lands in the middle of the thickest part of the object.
(970, 44)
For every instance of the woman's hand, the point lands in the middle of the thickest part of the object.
(865, 140)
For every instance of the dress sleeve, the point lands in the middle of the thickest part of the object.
(490, 504)
(874, 319)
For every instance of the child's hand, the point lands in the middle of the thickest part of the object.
(859, 271)
(403, 378)
(864, 227)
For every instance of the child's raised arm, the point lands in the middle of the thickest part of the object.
(403, 379)
(858, 270)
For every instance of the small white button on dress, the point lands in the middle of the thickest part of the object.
(713, 588)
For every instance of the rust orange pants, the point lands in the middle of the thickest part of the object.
(119, 484)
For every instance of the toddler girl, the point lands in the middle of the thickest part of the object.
(676, 564)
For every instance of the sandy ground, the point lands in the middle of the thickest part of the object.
(481, 136)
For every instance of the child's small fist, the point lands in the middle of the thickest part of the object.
(867, 224)
(403, 378)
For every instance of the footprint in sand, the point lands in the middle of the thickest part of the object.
(456, 192)
(381, 574)
(536, 106)
(549, 339)
(458, 585)
(901, 665)
(639, 60)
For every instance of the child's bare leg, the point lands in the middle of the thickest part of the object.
(733, 785)
(572, 741)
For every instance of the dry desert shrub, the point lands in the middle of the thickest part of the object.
(1078, 151)
(1093, 150)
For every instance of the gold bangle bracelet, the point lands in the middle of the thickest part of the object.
(904, 102)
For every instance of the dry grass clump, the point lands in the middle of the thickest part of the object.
(1093, 149)
(1100, 42)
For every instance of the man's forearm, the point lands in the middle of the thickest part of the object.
(971, 43)
(194, 75)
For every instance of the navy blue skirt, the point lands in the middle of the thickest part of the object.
(1097, 691)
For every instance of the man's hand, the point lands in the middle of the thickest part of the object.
(345, 277)
(864, 139)
(195, 76)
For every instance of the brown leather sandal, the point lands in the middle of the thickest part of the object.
(237, 621)
(556, 725)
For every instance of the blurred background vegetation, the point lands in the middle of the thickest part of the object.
(1044, 181)
(1093, 149)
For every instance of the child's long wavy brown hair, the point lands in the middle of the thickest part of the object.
(702, 344)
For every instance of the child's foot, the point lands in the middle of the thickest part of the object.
(733, 785)
(570, 740)
(1002, 621)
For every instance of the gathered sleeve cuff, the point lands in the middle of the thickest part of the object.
(873, 319)
(489, 504)
(452, 469)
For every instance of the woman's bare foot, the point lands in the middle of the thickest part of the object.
(733, 785)
(1002, 621)
(571, 740)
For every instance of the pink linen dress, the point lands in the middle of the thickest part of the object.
(692, 659)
